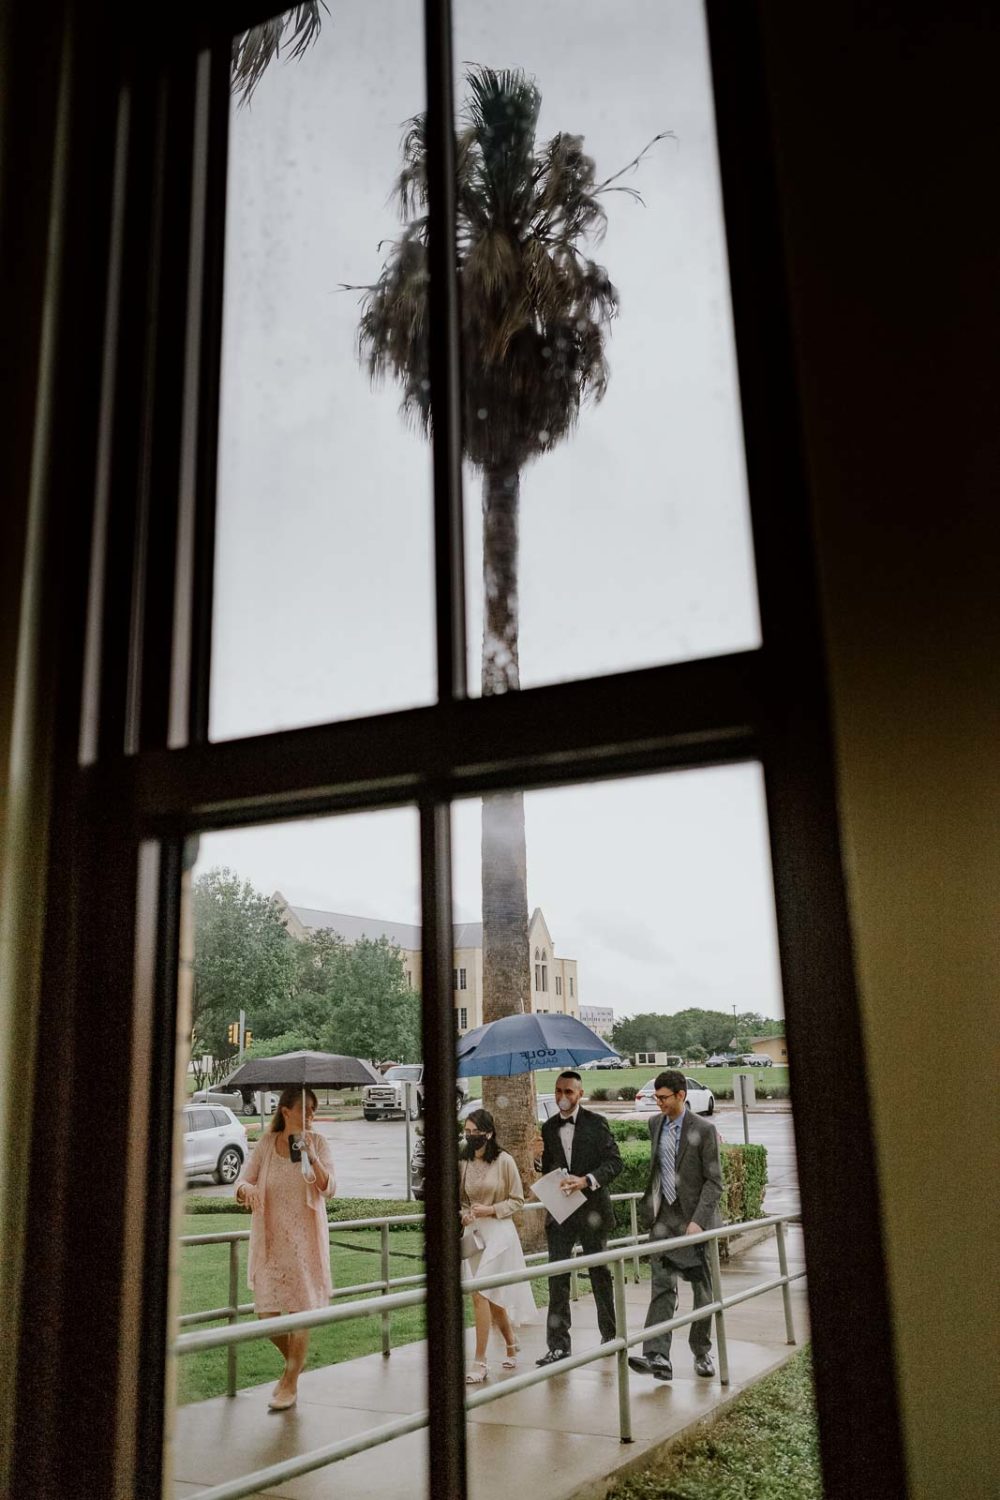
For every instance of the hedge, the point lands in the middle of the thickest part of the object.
(744, 1178)
(339, 1210)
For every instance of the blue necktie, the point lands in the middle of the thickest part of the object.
(668, 1174)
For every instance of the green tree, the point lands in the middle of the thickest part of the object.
(535, 310)
(354, 998)
(244, 960)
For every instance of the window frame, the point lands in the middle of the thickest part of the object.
(134, 241)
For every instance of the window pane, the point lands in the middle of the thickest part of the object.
(302, 936)
(657, 893)
(604, 439)
(323, 603)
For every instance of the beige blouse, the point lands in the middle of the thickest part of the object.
(496, 1183)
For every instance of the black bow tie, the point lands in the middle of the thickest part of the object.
(566, 1120)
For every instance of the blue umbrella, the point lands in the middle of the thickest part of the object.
(520, 1044)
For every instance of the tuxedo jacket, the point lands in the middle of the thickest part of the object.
(595, 1152)
(698, 1167)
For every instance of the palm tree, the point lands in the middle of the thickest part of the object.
(535, 315)
(298, 28)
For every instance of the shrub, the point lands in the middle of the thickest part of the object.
(599, 1094)
(744, 1178)
(629, 1130)
(339, 1211)
(627, 1091)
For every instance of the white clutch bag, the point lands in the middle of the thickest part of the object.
(471, 1243)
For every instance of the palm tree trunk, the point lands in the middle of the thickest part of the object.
(506, 963)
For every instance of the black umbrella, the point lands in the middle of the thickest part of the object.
(306, 1070)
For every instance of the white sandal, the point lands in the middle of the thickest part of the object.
(510, 1363)
(472, 1379)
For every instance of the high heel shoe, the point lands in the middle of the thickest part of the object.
(472, 1378)
(510, 1363)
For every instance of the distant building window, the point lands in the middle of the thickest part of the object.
(536, 952)
(538, 976)
(545, 977)
(544, 954)
(558, 985)
(571, 989)
(461, 980)
(409, 980)
(463, 1018)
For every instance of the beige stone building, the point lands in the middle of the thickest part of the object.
(555, 984)
(600, 1018)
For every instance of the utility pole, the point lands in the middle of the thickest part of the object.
(243, 1032)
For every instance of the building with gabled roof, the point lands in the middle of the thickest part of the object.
(555, 982)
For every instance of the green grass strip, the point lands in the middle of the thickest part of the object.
(763, 1447)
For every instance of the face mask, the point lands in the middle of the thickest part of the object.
(565, 1106)
(475, 1141)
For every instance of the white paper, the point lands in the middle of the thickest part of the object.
(559, 1204)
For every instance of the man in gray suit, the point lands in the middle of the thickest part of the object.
(682, 1197)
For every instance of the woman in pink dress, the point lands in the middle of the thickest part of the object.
(286, 1184)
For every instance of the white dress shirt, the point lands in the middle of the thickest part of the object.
(566, 1134)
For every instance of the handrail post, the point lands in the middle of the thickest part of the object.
(386, 1329)
(634, 1226)
(786, 1295)
(574, 1285)
(720, 1317)
(234, 1313)
(621, 1328)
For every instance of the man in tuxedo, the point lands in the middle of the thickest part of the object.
(682, 1197)
(580, 1140)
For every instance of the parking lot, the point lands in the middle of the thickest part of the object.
(370, 1157)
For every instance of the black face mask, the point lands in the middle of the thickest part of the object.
(475, 1141)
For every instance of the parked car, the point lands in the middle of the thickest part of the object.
(611, 1062)
(385, 1100)
(723, 1060)
(757, 1060)
(700, 1098)
(241, 1101)
(214, 1142)
(545, 1107)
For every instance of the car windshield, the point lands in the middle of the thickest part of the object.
(403, 1075)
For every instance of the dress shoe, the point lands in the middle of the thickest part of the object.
(657, 1365)
(704, 1366)
(553, 1357)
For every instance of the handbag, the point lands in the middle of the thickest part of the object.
(471, 1242)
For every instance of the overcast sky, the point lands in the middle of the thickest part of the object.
(635, 541)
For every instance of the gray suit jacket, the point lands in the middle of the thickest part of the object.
(699, 1171)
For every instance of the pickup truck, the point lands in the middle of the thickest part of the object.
(386, 1101)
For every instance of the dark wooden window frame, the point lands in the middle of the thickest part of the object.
(126, 507)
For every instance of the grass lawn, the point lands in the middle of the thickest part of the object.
(763, 1447)
(356, 1258)
(613, 1079)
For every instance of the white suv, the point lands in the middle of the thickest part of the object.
(214, 1142)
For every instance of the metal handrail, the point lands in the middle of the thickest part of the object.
(306, 1463)
(234, 1237)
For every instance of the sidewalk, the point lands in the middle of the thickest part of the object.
(559, 1439)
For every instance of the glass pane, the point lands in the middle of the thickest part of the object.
(301, 938)
(323, 604)
(604, 438)
(654, 896)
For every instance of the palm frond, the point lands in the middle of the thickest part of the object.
(535, 308)
(253, 50)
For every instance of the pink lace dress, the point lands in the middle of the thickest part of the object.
(289, 1263)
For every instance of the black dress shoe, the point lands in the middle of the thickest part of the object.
(704, 1366)
(657, 1365)
(553, 1357)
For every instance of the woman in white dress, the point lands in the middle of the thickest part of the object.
(491, 1193)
